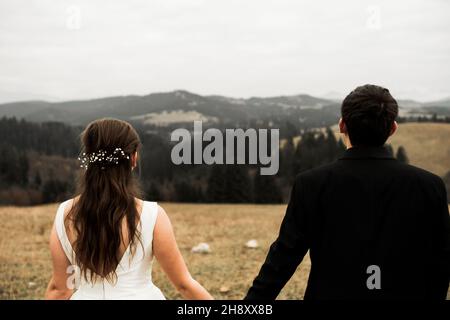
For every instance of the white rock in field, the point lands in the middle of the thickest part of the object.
(224, 289)
(252, 244)
(31, 284)
(202, 247)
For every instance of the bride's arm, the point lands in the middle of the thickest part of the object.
(57, 287)
(169, 257)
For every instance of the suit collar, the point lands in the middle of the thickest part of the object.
(367, 153)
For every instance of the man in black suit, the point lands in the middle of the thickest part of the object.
(375, 228)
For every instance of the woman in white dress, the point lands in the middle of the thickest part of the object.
(103, 241)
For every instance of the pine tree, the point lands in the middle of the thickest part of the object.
(389, 149)
(23, 168)
(287, 155)
(185, 192)
(266, 190)
(401, 155)
(340, 147)
(152, 192)
(238, 184)
(216, 184)
(331, 146)
(37, 180)
(446, 179)
(55, 190)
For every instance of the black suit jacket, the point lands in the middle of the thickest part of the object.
(365, 209)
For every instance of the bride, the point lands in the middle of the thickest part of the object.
(106, 234)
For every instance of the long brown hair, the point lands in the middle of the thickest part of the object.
(107, 195)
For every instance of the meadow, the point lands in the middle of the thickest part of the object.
(227, 271)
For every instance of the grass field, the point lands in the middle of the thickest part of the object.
(25, 265)
(227, 272)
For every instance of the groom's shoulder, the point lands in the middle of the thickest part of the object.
(419, 174)
(404, 173)
(317, 173)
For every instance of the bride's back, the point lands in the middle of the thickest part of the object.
(103, 241)
(105, 231)
(133, 274)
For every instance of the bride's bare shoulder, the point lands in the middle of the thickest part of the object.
(162, 218)
(69, 204)
(161, 210)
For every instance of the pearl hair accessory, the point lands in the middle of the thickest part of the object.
(102, 157)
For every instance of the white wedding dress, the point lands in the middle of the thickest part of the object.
(134, 272)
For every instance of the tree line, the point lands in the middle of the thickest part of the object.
(37, 165)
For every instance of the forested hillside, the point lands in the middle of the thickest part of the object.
(39, 165)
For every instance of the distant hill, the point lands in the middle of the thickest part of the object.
(22, 109)
(152, 106)
(168, 108)
(439, 103)
(427, 145)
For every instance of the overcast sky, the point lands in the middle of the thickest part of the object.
(63, 50)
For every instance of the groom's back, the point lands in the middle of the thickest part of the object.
(376, 228)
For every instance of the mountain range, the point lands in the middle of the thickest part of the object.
(177, 107)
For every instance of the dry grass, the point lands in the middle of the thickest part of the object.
(25, 265)
(427, 145)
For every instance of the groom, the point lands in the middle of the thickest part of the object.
(375, 228)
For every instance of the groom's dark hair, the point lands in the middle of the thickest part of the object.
(369, 112)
